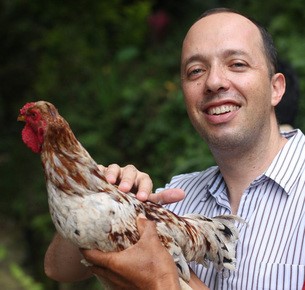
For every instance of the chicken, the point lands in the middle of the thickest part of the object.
(94, 214)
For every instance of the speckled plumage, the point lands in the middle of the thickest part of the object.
(92, 213)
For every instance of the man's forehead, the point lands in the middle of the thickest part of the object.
(223, 29)
(221, 22)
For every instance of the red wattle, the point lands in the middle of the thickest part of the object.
(30, 138)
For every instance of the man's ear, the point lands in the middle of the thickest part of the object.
(278, 84)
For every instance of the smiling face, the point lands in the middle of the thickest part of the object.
(228, 91)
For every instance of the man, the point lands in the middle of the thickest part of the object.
(230, 84)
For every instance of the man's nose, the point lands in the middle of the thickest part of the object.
(216, 80)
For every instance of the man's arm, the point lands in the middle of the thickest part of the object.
(62, 261)
(136, 267)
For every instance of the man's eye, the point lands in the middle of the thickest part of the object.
(195, 71)
(238, 64)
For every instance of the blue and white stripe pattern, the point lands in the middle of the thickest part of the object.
(271, 249)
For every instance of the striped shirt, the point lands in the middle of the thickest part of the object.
(271, 249)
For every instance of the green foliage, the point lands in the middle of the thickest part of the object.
(25, 281)
(116, 85)
(3, 252)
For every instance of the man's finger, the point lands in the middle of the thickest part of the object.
(96, 257)
(145, 187)
(128, 178)
(112, 173)
(167, 196)
(146, 228)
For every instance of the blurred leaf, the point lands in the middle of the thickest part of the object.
(3, 252)
(25, 280)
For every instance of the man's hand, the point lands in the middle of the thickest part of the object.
(146, 265)
(128, 178)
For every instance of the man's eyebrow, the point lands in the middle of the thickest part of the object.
(234, 52)
(225, 53)
(195, 57)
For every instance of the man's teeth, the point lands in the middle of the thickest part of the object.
(222, 109)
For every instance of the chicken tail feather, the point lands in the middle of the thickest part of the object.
(217, 238)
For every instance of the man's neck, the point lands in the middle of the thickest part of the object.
(240, 167)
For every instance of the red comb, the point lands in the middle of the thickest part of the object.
(26, 107)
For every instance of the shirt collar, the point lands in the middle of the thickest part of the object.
(216, 188)
(216, 184)
(289, 163)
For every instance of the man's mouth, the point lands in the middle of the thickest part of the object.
(222, 109)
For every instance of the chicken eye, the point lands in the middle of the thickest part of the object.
(32, 115)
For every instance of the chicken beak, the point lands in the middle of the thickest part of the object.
(21, 118)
